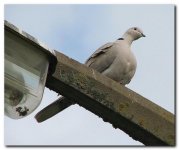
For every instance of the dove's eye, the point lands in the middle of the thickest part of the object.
(135, 28)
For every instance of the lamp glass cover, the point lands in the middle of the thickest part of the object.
(26, 68)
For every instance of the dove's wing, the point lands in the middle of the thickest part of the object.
(102, 58)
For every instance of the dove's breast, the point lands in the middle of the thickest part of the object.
(123, 67)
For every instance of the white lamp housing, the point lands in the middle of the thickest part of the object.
(27, 64)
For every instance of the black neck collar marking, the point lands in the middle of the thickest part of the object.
(120, 39)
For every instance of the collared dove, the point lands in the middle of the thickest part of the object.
(114, 59)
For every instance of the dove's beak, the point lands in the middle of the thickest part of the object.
(143, 35)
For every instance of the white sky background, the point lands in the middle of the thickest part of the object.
(77, 31)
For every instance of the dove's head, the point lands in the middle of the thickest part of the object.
(133, 33)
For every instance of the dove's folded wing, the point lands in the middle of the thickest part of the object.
(102, 58)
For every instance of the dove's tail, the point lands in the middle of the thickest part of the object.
(53, 109)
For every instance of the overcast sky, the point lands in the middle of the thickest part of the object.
(77, 31)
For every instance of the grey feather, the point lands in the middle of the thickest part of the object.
(100, 60)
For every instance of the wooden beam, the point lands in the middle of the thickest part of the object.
(123, 108)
